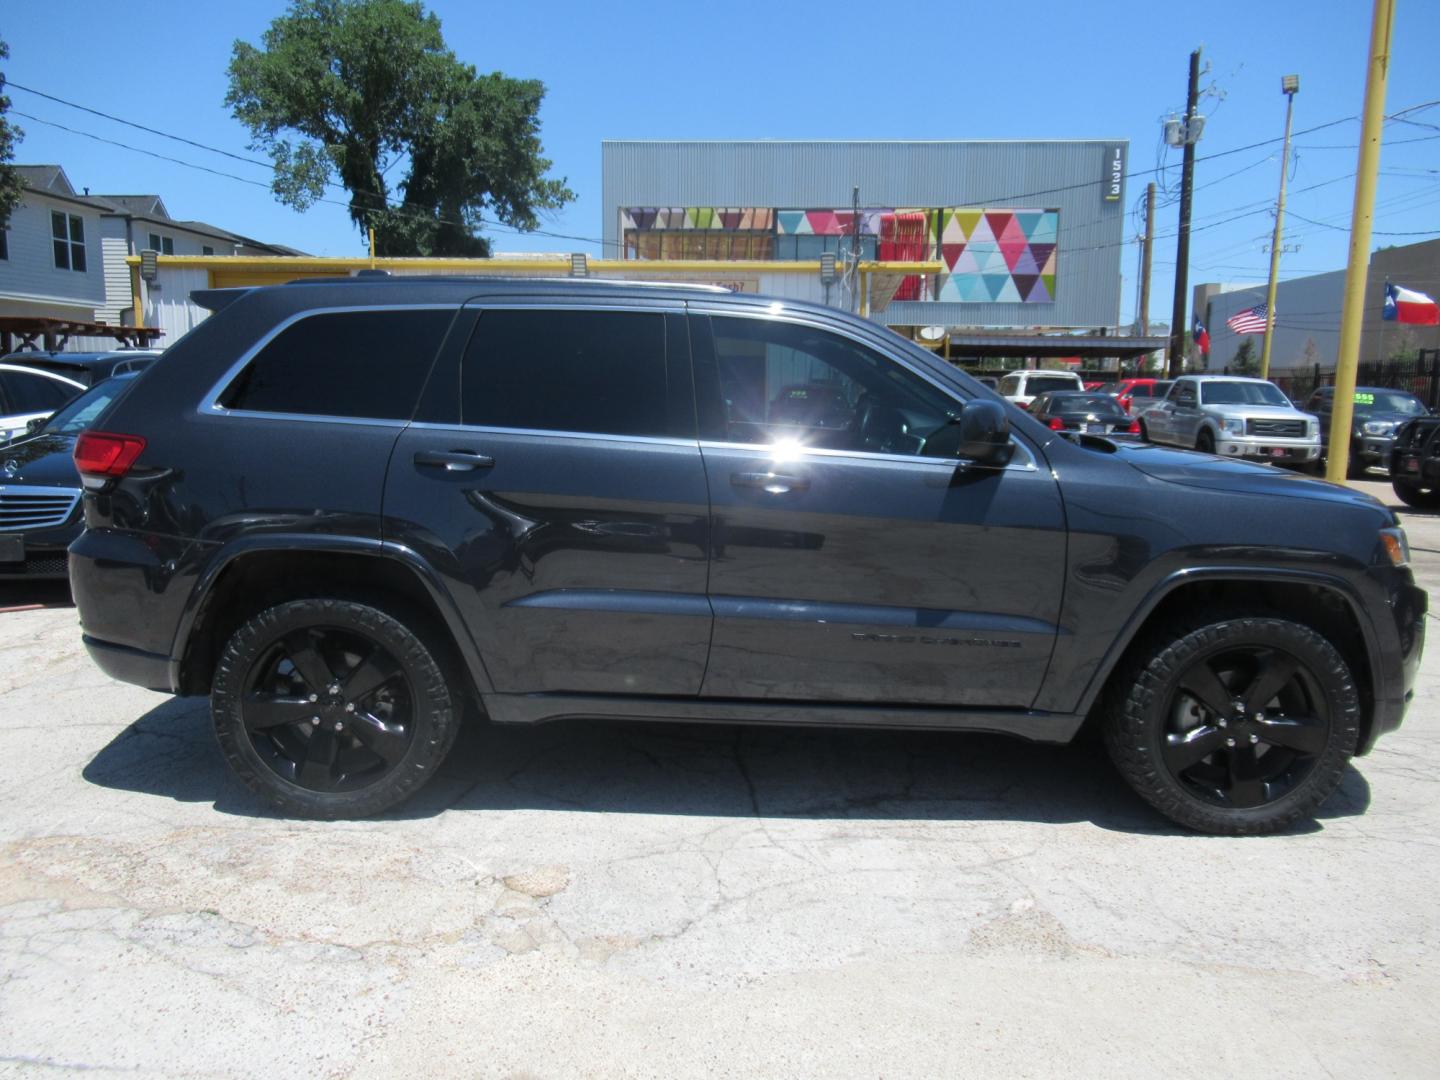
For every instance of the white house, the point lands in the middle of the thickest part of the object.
(63, 254)
(50, 255)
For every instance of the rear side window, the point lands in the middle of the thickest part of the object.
(1042, 384)
(364, 364)
(27, 393)
(600, 372)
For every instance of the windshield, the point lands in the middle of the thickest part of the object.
(1388, 401)
(1241, 393)
(79, 414)
(1085, 403)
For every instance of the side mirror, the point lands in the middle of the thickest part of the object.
(36, 424)
(980, 434)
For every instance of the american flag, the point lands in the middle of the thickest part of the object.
(1249, 321)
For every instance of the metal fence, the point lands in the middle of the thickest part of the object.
(1419, 375)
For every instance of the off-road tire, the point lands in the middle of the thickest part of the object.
(1137, 699)
(436, 712)
(1421, 498)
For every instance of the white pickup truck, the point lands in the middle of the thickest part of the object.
(1234, 417)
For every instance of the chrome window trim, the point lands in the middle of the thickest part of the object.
(662, 440)
(871, 455)
(210, 402)
(804, 319)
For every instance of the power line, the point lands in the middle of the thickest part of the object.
(1377, 232)
(1249, 209)
(1017, 196)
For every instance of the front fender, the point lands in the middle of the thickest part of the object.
(1193, 575)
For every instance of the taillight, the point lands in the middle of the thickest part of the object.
(1056, 424)
(102, 455)
(1134, 428)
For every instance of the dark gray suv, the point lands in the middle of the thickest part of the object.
(346, 509)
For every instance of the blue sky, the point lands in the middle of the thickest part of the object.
(774, 70)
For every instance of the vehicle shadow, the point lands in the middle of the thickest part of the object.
(24, 595)
(700, 769)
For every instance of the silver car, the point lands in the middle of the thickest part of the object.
(1233, 416)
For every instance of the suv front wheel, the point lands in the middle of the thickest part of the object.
(1239, 725)
(331, 708)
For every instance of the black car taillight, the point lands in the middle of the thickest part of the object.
(101, 456)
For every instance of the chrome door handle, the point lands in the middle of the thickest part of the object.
(769, 482)
(454, 460)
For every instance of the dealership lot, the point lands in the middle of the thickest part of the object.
(608, 899)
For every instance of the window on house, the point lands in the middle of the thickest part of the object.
(206, 249)
(163, 244)
(4, 243)
(68, 233)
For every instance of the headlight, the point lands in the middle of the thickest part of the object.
(1396, 546)
(1379, 427)
(1233, 425)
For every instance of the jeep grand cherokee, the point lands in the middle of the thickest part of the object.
(346, 509)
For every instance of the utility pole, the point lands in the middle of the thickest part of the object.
(855, 235)
(1182, 246)
(1289, 85)
(1356, 271)
(1145, 260)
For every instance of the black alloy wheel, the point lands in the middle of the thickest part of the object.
(328, 710)
(1233, 725)
(1245, 725)
(332, 708)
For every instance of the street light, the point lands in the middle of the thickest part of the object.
(1289, 86)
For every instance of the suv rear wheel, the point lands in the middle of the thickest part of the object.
(330, 708)
(1236, 726)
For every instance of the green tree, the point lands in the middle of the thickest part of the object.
(1245, 362)
(352, 89)
(12, 187)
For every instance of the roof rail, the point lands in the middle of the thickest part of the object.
(369, 276)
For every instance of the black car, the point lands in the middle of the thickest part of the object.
(87, 367)
(1379, 414)
(353, 511)
(1092, 411)
(40, 489)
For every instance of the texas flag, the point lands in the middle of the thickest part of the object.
(1409, 306)
(1202, 338)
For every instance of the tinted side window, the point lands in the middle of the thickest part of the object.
(1010, 385)
(585, 371)
(367, 364)
(784, 382)
(28, 393)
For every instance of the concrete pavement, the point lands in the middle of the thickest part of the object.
(621, 900)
